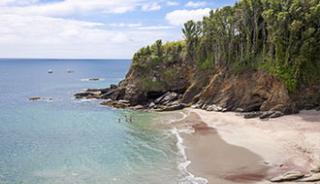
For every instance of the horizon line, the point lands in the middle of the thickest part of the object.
(63, 58)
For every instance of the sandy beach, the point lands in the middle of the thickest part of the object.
(226, 148)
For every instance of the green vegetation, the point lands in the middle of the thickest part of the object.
(151, 56)
(281, 37)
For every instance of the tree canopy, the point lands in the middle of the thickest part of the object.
(281, 37)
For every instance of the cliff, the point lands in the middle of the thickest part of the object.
(257, 56)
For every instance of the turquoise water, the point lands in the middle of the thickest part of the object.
(65, 141)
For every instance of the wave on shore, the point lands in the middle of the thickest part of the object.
(187, 177)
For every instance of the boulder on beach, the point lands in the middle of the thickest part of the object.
(316, 169)
(311, 178)
(288, 176)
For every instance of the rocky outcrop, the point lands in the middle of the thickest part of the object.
(297, 176)
(288, 176)
(256, 93)
(175, 84)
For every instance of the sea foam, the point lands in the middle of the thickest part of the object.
(187, 177)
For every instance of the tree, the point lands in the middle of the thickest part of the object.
(192, 32)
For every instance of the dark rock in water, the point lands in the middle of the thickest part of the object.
(88, 94)
(318, 108)
(251, 115)
(70, 71)
(113, 86)
(114, 94)
(34, 98)
(266, 114)
(115, 104)
(277, 114)
(288, 176)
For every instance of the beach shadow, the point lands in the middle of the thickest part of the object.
(310, 116)
(213, 158)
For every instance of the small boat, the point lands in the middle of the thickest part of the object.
(50, 71)
(70, 71)
(94, 79)
(34, 98)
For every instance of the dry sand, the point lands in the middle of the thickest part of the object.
(226, 148)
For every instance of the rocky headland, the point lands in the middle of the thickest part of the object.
(178, 84)
(257, 57)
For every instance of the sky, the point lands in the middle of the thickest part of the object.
(99, 29)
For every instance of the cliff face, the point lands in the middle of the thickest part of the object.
(252, 91)
(142, 85)
(176, 84)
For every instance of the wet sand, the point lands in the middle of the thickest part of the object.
(216, 160)
(226, 148)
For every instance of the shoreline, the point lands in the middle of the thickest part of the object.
(270, 148)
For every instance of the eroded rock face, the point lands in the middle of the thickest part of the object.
(256, 91)
(168, 85)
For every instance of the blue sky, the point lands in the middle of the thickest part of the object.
(93, 28)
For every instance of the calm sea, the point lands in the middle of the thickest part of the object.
(60, 140)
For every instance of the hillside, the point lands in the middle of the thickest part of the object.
(258, 55)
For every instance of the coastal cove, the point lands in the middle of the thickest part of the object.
(212, 92)
(86, 142)
(63, 140)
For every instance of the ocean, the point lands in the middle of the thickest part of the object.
(60, 140)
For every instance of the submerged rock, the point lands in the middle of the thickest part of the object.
(88, 94)
(288, 176)
(115, 104)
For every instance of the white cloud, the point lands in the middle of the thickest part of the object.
(172, 3)
(31, 29)
(154, 27)
(68, 7)
(198, 4)
(128, 25)
(40, 36)
(151, 7)
(179, 17)
(17, 2)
